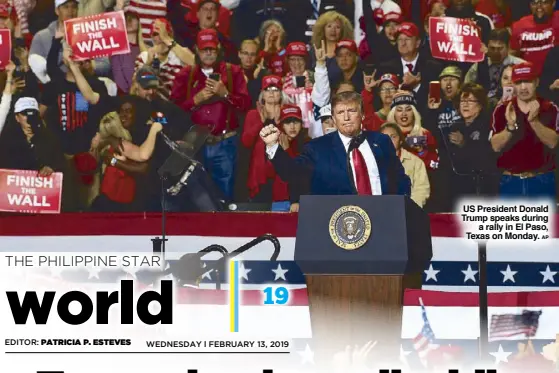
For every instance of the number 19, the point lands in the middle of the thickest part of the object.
(278, 295)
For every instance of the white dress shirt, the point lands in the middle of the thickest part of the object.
(405, 69)
(370, 161)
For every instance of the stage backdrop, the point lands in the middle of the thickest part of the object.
(520, 277)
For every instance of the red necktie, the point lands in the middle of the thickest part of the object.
(361, 173)
(410, 67)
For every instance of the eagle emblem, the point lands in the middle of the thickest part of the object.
(350, 227)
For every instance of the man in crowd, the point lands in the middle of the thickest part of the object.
(214, 92)
(42, 41)
(525, 133)
(375, 167)
(534, 35)
(414, 69)
(488, 73)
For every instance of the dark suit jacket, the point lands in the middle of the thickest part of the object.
(324, 163)
(429, 69)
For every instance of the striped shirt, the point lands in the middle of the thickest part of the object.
(167, 71)
(148, 11)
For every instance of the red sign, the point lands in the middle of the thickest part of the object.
(5, 48)
(302, 98)
(26, 192)
(455, 39)
(96, 36)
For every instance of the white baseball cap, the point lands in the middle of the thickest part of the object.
(58, 3)
(26, 103)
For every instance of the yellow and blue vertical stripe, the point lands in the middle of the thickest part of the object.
(234, 296)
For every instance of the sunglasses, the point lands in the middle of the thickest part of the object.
(272, 89)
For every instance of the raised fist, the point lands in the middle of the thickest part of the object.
(270, 135)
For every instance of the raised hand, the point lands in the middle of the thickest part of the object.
(320, 53)
(510, 115)
(433, 104)
(270, 135)
(369, 81)
(284, 141)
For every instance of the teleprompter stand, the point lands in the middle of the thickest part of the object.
(356, 296)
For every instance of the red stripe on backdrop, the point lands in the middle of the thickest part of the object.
(458, 299)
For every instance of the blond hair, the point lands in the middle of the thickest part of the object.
(112, 126)
(417, 129)
(329, 17)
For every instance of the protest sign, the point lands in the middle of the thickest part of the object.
(455, 39)
(26, 192)
(5, 48)
(96, 36)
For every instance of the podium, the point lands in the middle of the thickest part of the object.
(358, 255)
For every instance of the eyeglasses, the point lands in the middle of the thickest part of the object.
(272, 89)
(468, 102)
(541, 2)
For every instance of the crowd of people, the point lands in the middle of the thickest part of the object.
(222, 70)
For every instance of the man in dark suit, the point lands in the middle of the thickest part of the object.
(348, 161)
(414, 69)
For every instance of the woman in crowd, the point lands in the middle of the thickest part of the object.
(298, 84)
(268, 112)
(470, 150)
(123, 65)
(420, 140)
(414, 167)
(505, 91)
(272, 44)
(330, 28)
(292, 138)
(387, 87)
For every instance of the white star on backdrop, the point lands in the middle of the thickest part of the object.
(469, 274)
(56, 271)
(548, 274)
(93, 272)
(307, 355)
(243, 272)
(131, 270)
(280, 273)
(208, 275)
(501, 355)
(508, 274)
(431, 273)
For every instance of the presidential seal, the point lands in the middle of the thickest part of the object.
(350, 227)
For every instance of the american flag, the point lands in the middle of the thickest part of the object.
(509, 325)
(519, 278)
(426, 337)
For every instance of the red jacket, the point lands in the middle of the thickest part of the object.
(261, 169)
(371, 121)
(218, 112)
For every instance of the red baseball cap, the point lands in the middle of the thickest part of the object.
(202, 2)
(297, 48)
(349, 44)
(408, 29)
(207, 39)
(378, 16)
(271, 81)
(390, 78)
(524, 72)
(393, 17)
(290, 112)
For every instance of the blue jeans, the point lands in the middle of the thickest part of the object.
(220, 160)
(537, 187)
